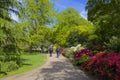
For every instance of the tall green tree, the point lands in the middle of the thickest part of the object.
(66, 19)
(7, 7)
(69, 25)
(105, 15)
(37, 14)
(9, 54)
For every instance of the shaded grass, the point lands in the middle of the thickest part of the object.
(29, 62)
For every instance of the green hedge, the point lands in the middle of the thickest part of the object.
(8, 66)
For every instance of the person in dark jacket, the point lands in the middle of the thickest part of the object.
(58, 51)
(50, 50)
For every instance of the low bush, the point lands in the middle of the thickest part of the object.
(104, 64)
(68, 53)
(113, 44)
(8, 66)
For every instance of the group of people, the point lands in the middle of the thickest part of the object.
(50, 50)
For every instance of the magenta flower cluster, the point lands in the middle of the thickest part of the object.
(78, 54)
(106, 64)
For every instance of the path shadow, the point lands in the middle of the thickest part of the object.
(62, 71)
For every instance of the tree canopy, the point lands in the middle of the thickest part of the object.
(104, 14)
(68, 22)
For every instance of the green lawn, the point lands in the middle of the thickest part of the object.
(29, 62)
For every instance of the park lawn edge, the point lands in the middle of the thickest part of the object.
(23, 70)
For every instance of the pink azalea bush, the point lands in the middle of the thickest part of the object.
(105, 64)
(78, 54)
(81, 56)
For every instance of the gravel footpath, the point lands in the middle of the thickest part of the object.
(54, 69)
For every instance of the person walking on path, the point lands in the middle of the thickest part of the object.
(58, 51)
(50, 50)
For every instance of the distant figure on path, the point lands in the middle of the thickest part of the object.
(58, 51)
(50, 50)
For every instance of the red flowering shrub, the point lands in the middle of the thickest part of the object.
(105, 64)
(62, 50)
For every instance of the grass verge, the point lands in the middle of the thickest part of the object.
(29, 62)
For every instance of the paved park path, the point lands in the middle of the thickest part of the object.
(54, 69)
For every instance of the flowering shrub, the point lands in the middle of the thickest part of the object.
(105, 64)
(68, 53)
(62, 50)
(76, 48)
(81, 56)
(78, 54)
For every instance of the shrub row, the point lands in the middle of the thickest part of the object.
(8, 66)
(104, 64)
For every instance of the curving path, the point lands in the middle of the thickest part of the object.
(54, 69)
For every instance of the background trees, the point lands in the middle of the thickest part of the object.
(37, 15)
(105, 15)
(70, 27)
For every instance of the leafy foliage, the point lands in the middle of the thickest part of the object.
(68, 54)
(8, 66)
(39, 14)
(70, 28)
(8, 6)
(113, 44)
(104, 14)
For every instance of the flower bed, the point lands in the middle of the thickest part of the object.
(81, 56)
(105, 64)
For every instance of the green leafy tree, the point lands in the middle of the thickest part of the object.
(9, 54)
(71, 28)
(8, 6)
(37, 14)
(66, 19)
(105, 15)
(69, 17)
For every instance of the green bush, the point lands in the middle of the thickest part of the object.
(68, 54)
(113, 44)
(8, 66)
(10, 52)
(2, 58)
(10, 48)
(95, 44)
(78, 61)
(0, 65)
(2, 55)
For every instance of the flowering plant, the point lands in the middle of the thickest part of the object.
(81, 56)
(106, 64)
(78, 54)
(76, 48)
